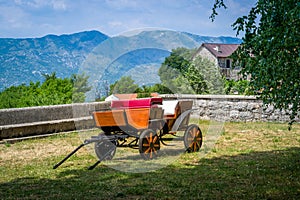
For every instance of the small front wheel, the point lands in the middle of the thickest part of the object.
(192, 138)
(105, 149)
(149, 144)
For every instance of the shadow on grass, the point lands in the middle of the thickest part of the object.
(257, 175)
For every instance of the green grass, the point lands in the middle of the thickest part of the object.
(249, 161)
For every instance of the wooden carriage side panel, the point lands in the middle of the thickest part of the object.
(138, 117)
(184, 106)
(156, 113)
(109, 118)
(156, 118)
(181, 107)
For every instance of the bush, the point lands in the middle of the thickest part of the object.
(52, 91)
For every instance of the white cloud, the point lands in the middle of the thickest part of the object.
(38, 4)
(115, 24)
(122, 4)
(41, 17)
(59, 5)
(12, 17)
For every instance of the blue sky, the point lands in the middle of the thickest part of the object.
(37, 18)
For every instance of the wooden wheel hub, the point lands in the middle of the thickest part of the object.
(149, 144)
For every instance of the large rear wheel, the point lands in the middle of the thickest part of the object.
(149, 144)
(192, 138)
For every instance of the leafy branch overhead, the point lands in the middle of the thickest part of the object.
(269, 53)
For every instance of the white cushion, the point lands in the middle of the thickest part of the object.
(169, 107)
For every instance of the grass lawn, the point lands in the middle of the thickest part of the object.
(249, 161)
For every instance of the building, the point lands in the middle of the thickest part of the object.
(219, 54)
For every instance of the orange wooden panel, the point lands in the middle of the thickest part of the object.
(138, 118)
(110, 118)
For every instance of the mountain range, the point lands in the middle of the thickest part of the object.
(103, 58)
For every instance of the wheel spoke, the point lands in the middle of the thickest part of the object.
(148, 150)
(151, 137)
(146, 145)
(148, 139)
(193, 146)
(197, 147)
(193, 130)
(151, 154)
(193, 138)
(191, 134)
(149, 144)
(155, 139)
(197, 133)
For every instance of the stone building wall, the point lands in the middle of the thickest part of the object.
(204, 53)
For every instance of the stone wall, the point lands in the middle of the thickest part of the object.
(232, 108)
(22, 122)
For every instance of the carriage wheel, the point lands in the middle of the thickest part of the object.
(105, 149)
(149, 144)
(192, 138)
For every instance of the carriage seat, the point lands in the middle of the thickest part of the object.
(136, 103)
(170, 109)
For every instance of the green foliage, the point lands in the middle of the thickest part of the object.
(80, 87)
(145, 91)
(217, 4)
(196, 79)
(124, 85)
(270, 52)
(161, 89)
(179, 59)
(52, 91)
(241, 87)
(184, 73)
(211, 75)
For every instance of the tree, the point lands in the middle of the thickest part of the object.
(211, 76)
(80, 87)
(238, 87)
(124, 85)
(51, 92)
(183, 72)
(270, 53)
(161, 89)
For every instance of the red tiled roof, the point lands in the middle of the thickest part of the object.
(221, 50)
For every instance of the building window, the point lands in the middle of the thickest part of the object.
(228, 63)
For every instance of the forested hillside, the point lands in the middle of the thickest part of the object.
(27, 59)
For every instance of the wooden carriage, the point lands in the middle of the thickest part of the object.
(143, 123)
